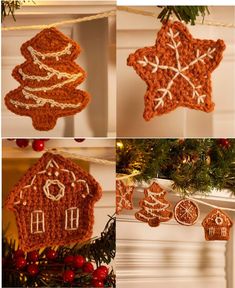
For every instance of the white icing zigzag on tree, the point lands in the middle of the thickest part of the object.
(50, 73)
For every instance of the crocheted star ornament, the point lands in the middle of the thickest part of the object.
(48, 80)
(124, 195)
(177, 70)
(54, 203)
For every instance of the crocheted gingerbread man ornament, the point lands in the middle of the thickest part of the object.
(54, 203)
(154, 207)
(177, 70)
(124, 195)
(48, 79)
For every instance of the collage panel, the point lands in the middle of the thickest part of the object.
(117, 142)
(175, 212)
(175, 76)
(58, 213)
(59, 79)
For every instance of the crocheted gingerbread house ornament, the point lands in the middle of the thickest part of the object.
(124, 194)
(48, 80)
(54, 203)
(155, 208)
(217, 225)
(177, 70)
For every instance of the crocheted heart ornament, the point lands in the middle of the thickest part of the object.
(54, 203)
(48, 79)
(177, 70)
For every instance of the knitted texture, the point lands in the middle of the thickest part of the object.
(124, 195)
(177, 70)
(48, 79)
(54, 203)
(154, 207)
(186, 212)
(217, 225)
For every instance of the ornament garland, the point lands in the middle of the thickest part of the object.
(155, 208)
(79, 266)
(194, 165)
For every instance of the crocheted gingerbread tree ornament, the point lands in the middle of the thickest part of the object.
(154, 207)
(54, 203)
(177, 70)
(48, 79)
(124, 194)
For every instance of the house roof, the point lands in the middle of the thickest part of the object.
(52, 172)
(210, 219)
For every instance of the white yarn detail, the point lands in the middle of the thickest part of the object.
(65, 51)
(166, 92)
(41, 102)
(59, 85)
(46, 189)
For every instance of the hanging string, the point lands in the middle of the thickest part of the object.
(67, 154)
(155, 15)
(106, 15)
(122, 177)
(72, 21)
(210, 205)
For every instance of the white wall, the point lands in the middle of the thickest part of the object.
(96, 39)
(136, 31)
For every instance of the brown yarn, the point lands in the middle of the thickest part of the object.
(158, 75)
(44, 117)
(24, 200)
(154, 206)
(217, 225)
(186, 212)
(124, 195)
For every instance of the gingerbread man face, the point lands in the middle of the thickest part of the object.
(177, 70)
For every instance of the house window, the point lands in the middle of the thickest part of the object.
(224, 231)
(37, 222)
(71, 218)
(211, 231)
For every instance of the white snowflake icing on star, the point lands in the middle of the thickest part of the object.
(179, 71)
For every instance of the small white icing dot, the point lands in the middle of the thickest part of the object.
(56, 173)
(24, 203)
(72, 184)
(49, 173)
(34, 188)
(83, 196)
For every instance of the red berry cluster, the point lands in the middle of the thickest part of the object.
(28, 263)
(38, 145)
(98, 275)
(223, 142)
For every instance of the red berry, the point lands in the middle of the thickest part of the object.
(97, 283)
(68, 276)
(68, 260)
(79, 140)
(33, 256)
(104, 269)
(88, 267)
(22, 143)
(33, 269)
(20, 262)
(19, 253)
(51, 254)
(38, 145)
(99, 275)
(78, 261)
(224, 143)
